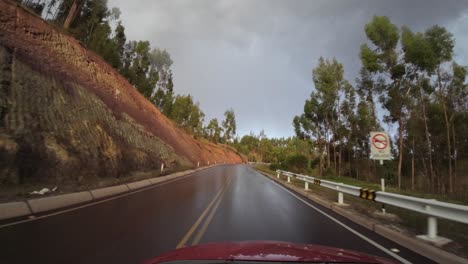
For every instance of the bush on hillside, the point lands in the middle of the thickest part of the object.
(296, 163)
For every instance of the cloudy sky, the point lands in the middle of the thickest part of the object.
(256, 56)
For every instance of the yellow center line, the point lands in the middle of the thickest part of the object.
(200, 218)
(205, 225)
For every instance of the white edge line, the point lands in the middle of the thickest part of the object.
(102, 201)
(370, 241)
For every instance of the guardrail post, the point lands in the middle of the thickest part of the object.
(289, 178)
(306, 185)
(340, 198)
(431, 227)
(382, 185)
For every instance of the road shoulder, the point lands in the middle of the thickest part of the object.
(25, 210)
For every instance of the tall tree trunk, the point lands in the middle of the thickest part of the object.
(449, 150)
(334, 156)
(334, 144)
(321, 162)
(339, 159)
(400, 148)
(328, 144)
(431, 181)
(351, 159)
(320, 157)
(455, 154)
(412, 166)
(426, 133)
(72, 13)
(328, 155)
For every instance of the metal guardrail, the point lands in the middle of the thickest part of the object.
(431, 207)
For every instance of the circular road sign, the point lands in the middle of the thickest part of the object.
(380, 141)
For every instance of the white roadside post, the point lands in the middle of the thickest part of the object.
(289, 178)
(431, 227)
(340, 198)
(162, 167)
(198, 164)
(277, 174)
(431, 234)
(340, 195)
(306, 187)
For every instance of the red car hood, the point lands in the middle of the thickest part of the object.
(271, 251)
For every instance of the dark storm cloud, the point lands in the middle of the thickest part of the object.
(257, 56)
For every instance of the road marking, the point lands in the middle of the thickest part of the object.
(200, 218)
(34, 218)
(207, 222)
(370, 241)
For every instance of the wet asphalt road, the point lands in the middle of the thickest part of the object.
(223, 203)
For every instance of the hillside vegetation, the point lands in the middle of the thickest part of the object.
(67, 116)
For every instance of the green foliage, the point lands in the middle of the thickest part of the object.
(369, 59)
(163, 99)
(417, 50)
(276, 166)
(321, 118)
(296, 162)
(137, 67)
(441, 42)
(119, 40)
(187, 114)
(229, 125)
(213, 132)
(147, 69)
(382, 33)
(409, 73)
(429, 49)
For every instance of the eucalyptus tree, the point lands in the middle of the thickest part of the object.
(229, 125)
(384, 60)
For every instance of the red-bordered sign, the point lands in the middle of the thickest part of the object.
(380, 141)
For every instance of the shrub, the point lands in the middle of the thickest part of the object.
(296, 162)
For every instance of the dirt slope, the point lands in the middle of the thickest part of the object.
(65, 114)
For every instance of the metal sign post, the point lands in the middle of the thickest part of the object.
(380, 150)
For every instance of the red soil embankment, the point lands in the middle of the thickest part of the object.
(33, 42)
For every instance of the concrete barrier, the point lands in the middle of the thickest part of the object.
(108, 191)
(13, 209)
(157, 180)
(176, 175)
(55, 202)
(138, 184)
